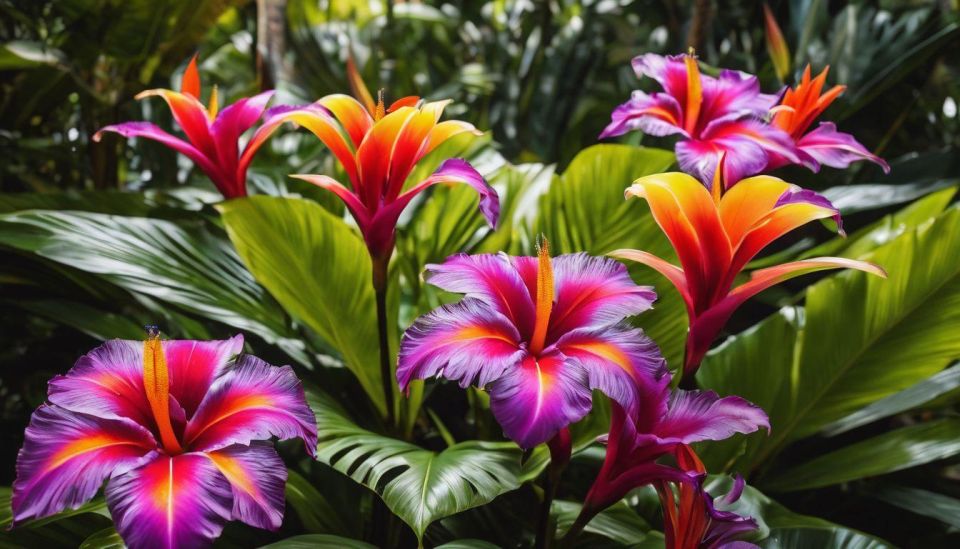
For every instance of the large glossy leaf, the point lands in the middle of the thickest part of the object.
(192, 270)
(418, 485)
(923, 502)
(821, 538)
(319, 271)
(618, 523)
(891, 451)
(108, 538)
(319, 541)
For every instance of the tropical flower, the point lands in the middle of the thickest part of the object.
(715, 237)
(538, 334)
(797, 110)
(669, 423)
(692, 518)
(176, 429)
(714, 117)
(212, 135)
(378, 147)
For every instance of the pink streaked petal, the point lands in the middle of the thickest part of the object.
(171, 502)
(747, 146)
(593, 292)
(468, 342)
(623, 363)
(539, 397)
(673, 273)
(357, 209)
(669, 71)
(191, 115)
(66, 457)
(107, 382)
(258, 476)
(694, 416)
(227, 128)
(147, 130)
(825, 145)
(798, 195)
(734, 93)
(252, 401)
(491, 278)
(656, 114)
(193, 365)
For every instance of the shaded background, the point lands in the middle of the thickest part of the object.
(541, 76)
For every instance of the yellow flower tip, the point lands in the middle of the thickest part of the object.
(214, 104)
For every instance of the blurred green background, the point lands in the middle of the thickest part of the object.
(541, 76)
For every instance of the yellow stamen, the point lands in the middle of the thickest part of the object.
(380, 110)
(156, 384)
(214, 104)
(544, 297)
(716, 187)
(694, 93)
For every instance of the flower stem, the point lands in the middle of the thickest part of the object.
(560, 449)
(584, 518)
(380, 279)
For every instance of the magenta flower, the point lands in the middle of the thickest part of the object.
(666, 426)
(212, 139)
(176, 430)
(714, 117)
(538, 334)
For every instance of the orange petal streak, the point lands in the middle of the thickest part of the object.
(544, 297)
(156, 384)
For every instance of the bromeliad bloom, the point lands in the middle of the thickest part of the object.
(716, 236)
(798, 109)
(212, 135)
(714, 117)
(176, 429)
(538, 334)
(378, 147)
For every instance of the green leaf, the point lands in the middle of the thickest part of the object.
(892, 451)
(319, 541)
(916, 395)
(108, 538)
(93, 322)
(922, 502)
(618, 523)
(190, 269)
(468, 544)
(315, 512)
(418, 485)
(22, 54)
(318, 269)
(821, 538)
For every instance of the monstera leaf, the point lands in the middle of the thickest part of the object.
(418, 485)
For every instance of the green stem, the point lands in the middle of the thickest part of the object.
(584, 518)
(380, 279)
(544, 534)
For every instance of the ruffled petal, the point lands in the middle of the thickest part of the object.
(107, 382)
(66, 457)
(252, 401)
(734, 93)
(623, 363)
(539, 397)
(656, 114)
(257, 476)
(491, 278)
(747, 145)
(171, 502)
(193, 365)
(593, 292)
(468, 342)
(825, 145)
(226, 130)
(694, 416)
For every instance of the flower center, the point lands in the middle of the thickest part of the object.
(544, 297)
(156, 384)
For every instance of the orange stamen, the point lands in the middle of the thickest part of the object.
(380, 110)
(544, 297)
(190, 84)
(156, 384)
(694, 92)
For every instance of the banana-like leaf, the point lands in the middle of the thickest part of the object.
(820, 538)
(64, 529)
(315, 512)
(319, 541)
(618, 523)
(923, 502)
(192, 269)
(891, 451)
(468, 544)
(418, 485)
(863, 339)
(318, 269)
(108, 538)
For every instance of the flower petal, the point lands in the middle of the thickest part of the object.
(226, 130)
(447, 130)
(468, 342)
(673, 273)
(257, 476)
(656, 114)
(190, 115)
(593, 292)
(825, 145)
(694, 416)
(252, 401)
(171, 502)
(376, 152)
(491, 278)
(354, 118)
(193, 365)
(106, 382)
(66, 457)
(539, 397)
(357, 209)
(747, 145)
(410, 145)
(623, 363)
